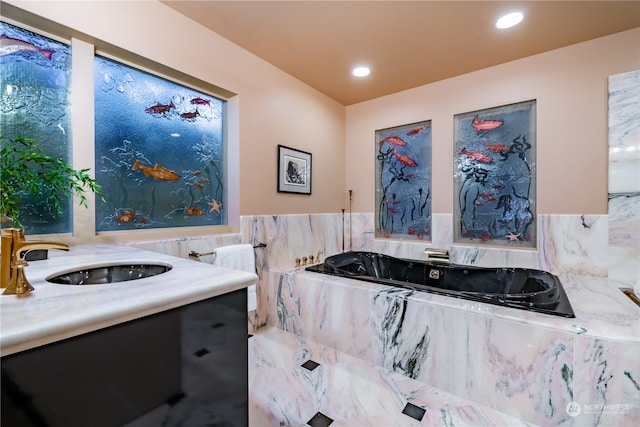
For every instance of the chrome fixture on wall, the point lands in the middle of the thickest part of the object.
(196, 255)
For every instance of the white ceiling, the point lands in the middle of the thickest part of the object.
(406, 43)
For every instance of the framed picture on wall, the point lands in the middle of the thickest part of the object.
(294, 171)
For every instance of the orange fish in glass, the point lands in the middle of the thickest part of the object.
(157, 171)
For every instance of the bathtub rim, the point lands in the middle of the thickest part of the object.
(563, 309)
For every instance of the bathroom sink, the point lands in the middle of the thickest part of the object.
(97, 274)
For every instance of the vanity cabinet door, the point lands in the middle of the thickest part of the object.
(186, 366)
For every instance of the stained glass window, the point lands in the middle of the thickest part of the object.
(403, 182)
(159, 151)
(35, 90)
(495, 176)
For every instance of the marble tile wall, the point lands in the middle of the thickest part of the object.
(566, 243)
(624, 178)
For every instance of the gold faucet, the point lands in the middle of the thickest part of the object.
(14, 248)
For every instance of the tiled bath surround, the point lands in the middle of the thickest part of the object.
(523, 364)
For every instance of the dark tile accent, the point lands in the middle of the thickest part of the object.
(201, 352)
(310, 365)
(319, 420)
(414, 411)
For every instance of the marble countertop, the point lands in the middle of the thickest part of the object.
(54, 312)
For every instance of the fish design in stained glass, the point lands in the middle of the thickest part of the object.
(35, 72)
(403, 182)
(159, 151)
(494, 170)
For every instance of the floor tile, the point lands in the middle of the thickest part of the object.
(294, 382)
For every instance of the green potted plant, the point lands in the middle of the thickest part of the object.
(26, 171)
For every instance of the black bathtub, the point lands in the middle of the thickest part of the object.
(521, 288)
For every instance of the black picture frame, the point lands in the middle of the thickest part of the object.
(294, 171)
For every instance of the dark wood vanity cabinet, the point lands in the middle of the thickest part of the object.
(186, 366)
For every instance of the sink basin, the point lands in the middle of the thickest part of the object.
(97, 274)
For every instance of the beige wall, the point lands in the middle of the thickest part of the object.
(273, 107)
(570, 86)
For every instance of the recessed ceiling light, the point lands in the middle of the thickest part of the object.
(361, 71)
(509, 20)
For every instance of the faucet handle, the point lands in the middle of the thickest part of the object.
(20, 285)
(5, 253)
(14, 249)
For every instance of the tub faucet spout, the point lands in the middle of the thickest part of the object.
(437, 256)
(14, 250)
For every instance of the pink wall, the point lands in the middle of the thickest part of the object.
(570, 86)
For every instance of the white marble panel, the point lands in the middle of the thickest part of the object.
(624, 132)
(574, 244)
(294, 236)
(624, 220)
(624, 265)
(515, 368)
(442, 230)
(401, 333)
(607, 382)
(602, 310)
(624, 238)
(524, 370)
(362, 234)
(335, 316)
(401, 249)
